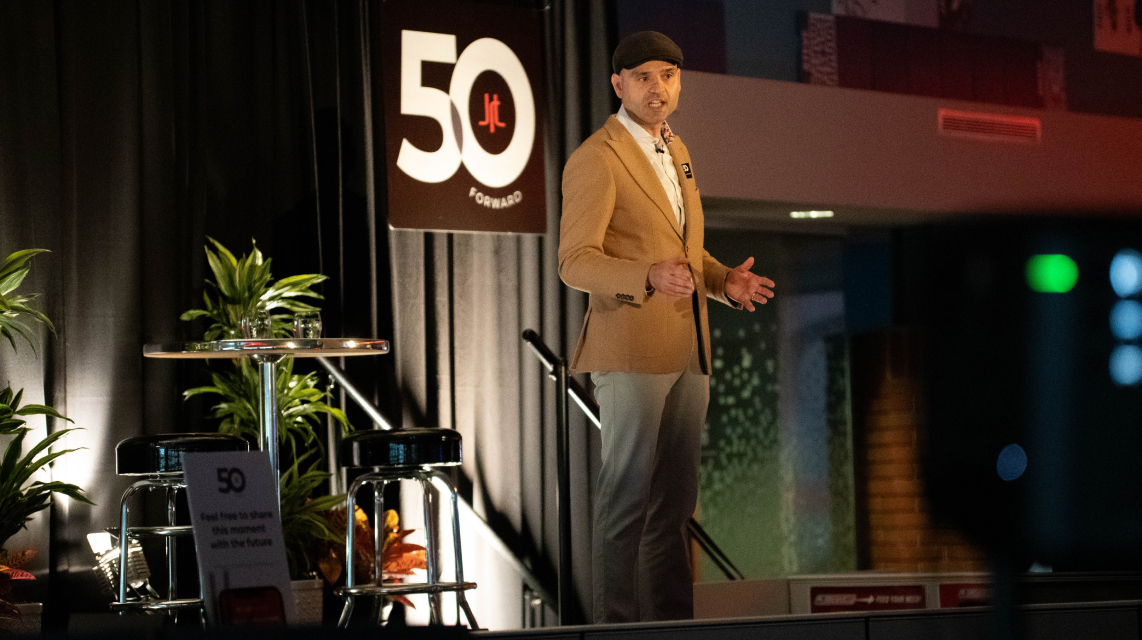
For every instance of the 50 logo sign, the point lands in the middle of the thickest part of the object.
(485, 54)
(463, 126)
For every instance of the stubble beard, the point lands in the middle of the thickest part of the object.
(649, 118)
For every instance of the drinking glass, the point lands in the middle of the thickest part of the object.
(307, 324)
(258, 326)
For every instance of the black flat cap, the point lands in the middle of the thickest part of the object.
(645, 46)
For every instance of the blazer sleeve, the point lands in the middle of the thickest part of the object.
(589, 196)
(715, 274)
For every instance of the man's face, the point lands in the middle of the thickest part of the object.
(649, 91)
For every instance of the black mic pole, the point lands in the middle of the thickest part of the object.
(557, 368)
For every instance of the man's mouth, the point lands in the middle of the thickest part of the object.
(655, 104)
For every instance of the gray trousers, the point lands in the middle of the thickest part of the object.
(646, 492)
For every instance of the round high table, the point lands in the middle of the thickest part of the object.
(267, 352)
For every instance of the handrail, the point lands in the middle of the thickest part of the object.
(482, 527)
(577, 393)
(558, 371)
(343, 379)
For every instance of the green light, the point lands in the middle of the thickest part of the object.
(1052, 273)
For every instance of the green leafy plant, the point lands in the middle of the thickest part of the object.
(242, 289)
(20, 496)
(10, 408)
(305, 526)
(300, 403)
(19, 499)
(14, 307)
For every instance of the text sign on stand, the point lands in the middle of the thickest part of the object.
(238, 537)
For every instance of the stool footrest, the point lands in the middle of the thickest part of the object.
(153, 532)
(404, 589)
(157, 605)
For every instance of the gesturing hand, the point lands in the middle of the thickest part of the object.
(747, 288)
(671, 277)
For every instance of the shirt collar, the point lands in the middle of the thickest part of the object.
(640, 135)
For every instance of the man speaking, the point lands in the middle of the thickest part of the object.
(631, 236)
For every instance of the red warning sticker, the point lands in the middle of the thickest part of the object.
(965, 594)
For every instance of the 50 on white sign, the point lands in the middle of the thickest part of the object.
(485, 54)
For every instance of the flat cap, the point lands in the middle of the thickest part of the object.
(644, 46)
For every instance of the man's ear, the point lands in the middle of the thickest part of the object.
(617, 83)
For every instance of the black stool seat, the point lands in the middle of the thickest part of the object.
(409, 448)
(162, 455)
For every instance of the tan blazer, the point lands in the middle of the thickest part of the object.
(617, 222)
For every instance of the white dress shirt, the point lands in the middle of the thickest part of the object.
(659, 156)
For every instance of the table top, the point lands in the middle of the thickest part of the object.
(293, 347)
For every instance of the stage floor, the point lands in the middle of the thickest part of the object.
(1116, 620)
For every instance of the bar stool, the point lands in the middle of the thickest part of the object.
(160, 460)
(404, 454)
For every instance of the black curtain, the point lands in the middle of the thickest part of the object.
(130, 130)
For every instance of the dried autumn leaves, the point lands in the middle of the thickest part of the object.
(398, 558)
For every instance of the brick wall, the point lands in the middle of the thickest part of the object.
(895, 530)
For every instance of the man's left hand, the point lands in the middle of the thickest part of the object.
(747, 288)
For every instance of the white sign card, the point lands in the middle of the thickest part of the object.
(237, 534)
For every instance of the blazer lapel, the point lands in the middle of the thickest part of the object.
(690, 199)
(635, 161)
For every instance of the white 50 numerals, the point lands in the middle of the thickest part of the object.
(485, 54)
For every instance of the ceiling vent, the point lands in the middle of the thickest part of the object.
(989, 126)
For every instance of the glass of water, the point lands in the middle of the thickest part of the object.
(258, 326)
(307, 324)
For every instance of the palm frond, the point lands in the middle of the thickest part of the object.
(10, 410)
(19, 498)
(303, 517)
(14, 307)
(242, 289)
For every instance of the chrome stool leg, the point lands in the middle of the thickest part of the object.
(461, 599)
(380, 532)
(431, 554)
(124, 541)
(350, 530)
(132, 565)
(172, 561)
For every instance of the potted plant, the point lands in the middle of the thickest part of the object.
(20, 495)
(305, 527)
(242, 288)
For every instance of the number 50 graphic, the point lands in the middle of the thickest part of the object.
(485, 54)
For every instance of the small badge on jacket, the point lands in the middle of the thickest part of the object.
(687, 171)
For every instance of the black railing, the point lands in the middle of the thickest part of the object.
(570, 388)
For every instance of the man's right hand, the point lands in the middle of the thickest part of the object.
(671, 277)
